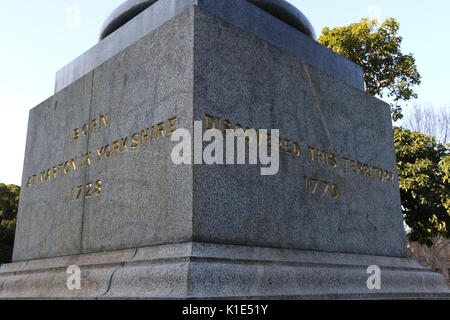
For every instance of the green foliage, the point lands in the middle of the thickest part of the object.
(9, 204)
(424, 176)
(376, 48)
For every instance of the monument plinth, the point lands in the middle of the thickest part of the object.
(100, 190)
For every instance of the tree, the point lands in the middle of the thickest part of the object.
(424, 177)
(9, 204)
(376, 48)
(430, 122)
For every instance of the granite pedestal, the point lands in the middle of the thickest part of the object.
(100, 190)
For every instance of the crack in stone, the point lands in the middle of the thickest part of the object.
(120, 267)
(316, 105)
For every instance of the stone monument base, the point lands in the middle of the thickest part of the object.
(213, 271)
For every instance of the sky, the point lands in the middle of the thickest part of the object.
(40, 37)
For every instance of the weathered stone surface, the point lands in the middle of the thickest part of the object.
(139, 27)
(48, 225)
(146, 231)
(197, 64)
(247, 81)
(145, 85)
(146, 197)
(47, 278)
(261, 24)
(200, 270)
(240, 13)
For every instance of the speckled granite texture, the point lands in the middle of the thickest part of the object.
(140, 226)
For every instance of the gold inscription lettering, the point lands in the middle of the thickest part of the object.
(86, 159)
(107, 153)
(160, 130)
(76, 134)
(145, 136)
(74, 164)
(312, 151)
(296, 151)
(346, 164)
(134, 141)
(115, 148)
(94, 125)
(104, 120)
(287, 144)
(90, 190)
(123, 145)
(209, 122)
(98, 187)
(333, 160)
(226, 125)
(85, 130)
(60, 167)
(99, 153)
(66, 167)
(29, 184)
(171, 126)
(312, 186)
(42, 176)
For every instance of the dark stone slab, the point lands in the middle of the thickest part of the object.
(197, 65)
